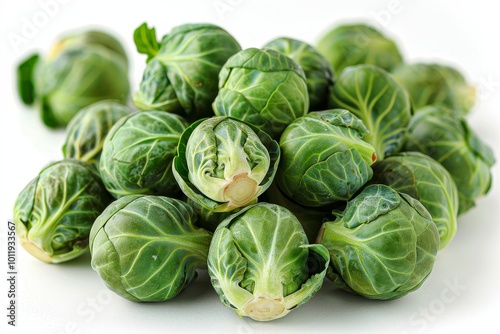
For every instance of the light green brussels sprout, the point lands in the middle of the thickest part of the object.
(318, 71)
(382, 246)
(261, 265)
(445, 136)
(182, 69)
(138, 151)
(83, 67)
(55, 211)
(436, 84)
(324, 158)
(379, 100)
(264, 88)
(87, 130)
(358, 43)
(146, 248)
(223, 163)
(426, 180)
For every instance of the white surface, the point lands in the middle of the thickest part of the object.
(70, 298)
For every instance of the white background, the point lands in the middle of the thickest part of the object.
(462, 293)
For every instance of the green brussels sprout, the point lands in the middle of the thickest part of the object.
(445, 136)
(358, 43)
(55, 211)
(87, 130)
(138, 151)
(261, 264)
(182, 70)
(264, 88)
(382, 246)
(223, 164)
(426, 180)
(318, 71)
(323, 158)
(379, 100)
(436, 84)
(146, 248)
(82, 68)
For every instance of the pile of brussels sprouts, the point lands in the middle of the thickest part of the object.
(273, 167)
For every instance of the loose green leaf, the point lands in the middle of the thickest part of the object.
(25, 79)
(145, 41)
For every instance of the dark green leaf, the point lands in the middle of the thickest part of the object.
(145, 41)
(25, 85)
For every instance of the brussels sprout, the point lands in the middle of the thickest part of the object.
(317, 69)
(426, 180)
(146, 248)
(83, 68)
(55, 211)
(379, 100)
(181, 73)
(445, 136)
(261, 264)
(223, 163)
(264, 88)
(323, 157)
(138, 151)
(359, 43)
(87, 130)
(382, 246)
(436, 84)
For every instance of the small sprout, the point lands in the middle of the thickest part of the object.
(138, 151)
(82, 68)
(382, 246)
(324, 158)
(264, 88)
(135, 229)
(56, 210)
(261, 264)
(181, 71)
(224, 164)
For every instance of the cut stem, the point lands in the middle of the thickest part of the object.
(264, 309)
(36, 251)
(241, 190)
